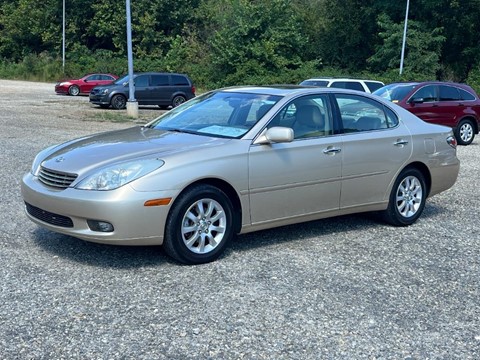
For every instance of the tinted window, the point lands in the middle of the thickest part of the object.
(159, 80)
(308, 116)
(427, 93)
(449, 93)
(372, 86)
(93, 77)
(179, 80)
(314, 83)
(352, 85)
(394, 92)
(465, 95)
(106, 77)
(141, 81)
(392, 119)
(362, 114)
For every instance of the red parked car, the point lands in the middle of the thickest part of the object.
(83, 85)
(445, 103)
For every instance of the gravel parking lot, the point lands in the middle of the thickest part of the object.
(344, 288)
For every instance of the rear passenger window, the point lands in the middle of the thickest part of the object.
(160, 80)
(359, 113)
(465, 95)
(352, 85)
(179, 80)
(449, 93)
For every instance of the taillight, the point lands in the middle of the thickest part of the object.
(193, 89)
(452, 141)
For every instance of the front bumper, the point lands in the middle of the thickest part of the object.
(134, 223)
(99, 99)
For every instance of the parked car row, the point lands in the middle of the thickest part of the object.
(152, 88)
(445, 103)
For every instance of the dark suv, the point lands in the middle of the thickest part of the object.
(152, 88)
(444, 103)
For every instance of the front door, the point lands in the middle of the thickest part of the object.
(302, 177)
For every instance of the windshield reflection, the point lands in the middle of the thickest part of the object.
(219, 114)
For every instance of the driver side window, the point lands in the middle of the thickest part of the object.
(308, 116)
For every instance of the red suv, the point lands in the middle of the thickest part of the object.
(444, 103)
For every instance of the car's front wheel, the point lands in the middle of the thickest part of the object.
(465, 132)
(118, 102)
(199, 226)
(407, 199)
(74, 90)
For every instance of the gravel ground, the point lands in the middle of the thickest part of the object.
(344, 288)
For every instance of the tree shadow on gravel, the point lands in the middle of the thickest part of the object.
(127, 257)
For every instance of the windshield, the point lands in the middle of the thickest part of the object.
(219, 114)
(122, 80)
(395, 92)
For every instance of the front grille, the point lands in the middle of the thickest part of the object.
(48, 217)
(56, 179)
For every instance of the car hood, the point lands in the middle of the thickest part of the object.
(100, 150)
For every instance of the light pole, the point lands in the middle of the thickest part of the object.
(63, 38)
(132, 104)
(404, 38)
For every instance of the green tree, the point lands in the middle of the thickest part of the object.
(422, 51)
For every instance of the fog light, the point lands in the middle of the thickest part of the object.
(100, 226)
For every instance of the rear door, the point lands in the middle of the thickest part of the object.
(160, 93)
(375, 146)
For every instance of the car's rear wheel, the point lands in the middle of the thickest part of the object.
(118, 102)
(465, 132)
(407, 199)
(199, 226)
(177, 100)
(74, 90)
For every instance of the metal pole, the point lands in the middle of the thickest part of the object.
(63, 38)
(132, 105)
(404, 38)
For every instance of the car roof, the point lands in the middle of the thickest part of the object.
(286, 90)
(340, 79)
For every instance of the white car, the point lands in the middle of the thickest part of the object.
(368, 86)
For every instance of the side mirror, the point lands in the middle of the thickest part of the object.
(276, 134)
(417, 100)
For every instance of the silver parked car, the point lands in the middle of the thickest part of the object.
(238, 160)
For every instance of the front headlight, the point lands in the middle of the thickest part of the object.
(112, 177)
(104, 91)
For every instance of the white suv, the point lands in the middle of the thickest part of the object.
(368, 86)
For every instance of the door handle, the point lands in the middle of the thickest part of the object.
(400, 143)
(331, 150)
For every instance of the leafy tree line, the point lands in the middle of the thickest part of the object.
(227, 42)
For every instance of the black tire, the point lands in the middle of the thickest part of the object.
(407, 199)
(465, 132)
(205, 239)
(178, 100)
(118, 102)
(74, 90)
